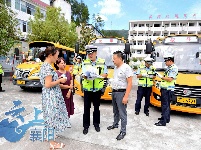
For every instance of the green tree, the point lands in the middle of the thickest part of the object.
(80, 12)
(86, 35)
(98, 22)
(110, 33)
(8, 28)
(54, 27)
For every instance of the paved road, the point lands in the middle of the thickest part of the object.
(182, 133)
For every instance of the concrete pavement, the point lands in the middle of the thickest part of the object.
(182, 133)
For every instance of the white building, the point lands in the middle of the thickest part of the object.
(140, 31)
(25, 10)
(65, 8)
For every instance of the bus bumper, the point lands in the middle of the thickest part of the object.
(155, 101)
(26, 82)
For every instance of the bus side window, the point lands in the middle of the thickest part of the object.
(65, 55)
(60, 53)
(71, 55)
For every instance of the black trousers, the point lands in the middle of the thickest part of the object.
(88, 98)
(0, 82)
(0, 78)
(166, 97)
(146, 92)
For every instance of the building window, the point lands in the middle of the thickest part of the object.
(24, 27)
(43, 12)
(17, 4)
(30, 9)
(157, 25)
(139, 51)
(23, 6)
(8, 3)
(191, 24)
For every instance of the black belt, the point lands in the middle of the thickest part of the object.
(119, 90)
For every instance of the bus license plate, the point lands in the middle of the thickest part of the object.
(20, 82)
(186, 100)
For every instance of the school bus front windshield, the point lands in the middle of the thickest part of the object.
(106, 50)
(184, 56)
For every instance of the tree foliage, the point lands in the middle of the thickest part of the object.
(80, 12)
(98, 22)
(8, 28)
(54, 27)
(87, 35)
(110, 33)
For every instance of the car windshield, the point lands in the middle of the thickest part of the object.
(184, 56)
(105, 51)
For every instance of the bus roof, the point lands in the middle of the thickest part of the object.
(47, 43)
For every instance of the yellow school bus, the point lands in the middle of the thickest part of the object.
(105, 48)
(27, 73)
(187, 55)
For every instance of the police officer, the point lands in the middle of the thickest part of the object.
(145, 73)
(167, 88)
(77, 65)
(1, 74)
(92, 88)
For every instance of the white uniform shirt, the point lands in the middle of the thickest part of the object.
(120, 76)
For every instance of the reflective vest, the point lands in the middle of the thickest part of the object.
(1, 69)
(76, 68)
(98, 83)
(169, 85)
(145, 81)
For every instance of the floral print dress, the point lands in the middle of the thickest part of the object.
(54, 109)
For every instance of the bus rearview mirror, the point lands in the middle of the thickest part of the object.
(149, 48)
(197, 55)
(77, 48)
(127, 48)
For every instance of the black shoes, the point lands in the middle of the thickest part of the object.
(137, 113)
(2, 91)
(162, 119)
(97, 129)
(85, 131)
(111, 127)
(147, 113)
(121, 136)
(160, 124)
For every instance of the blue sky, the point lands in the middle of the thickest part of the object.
(118, 13)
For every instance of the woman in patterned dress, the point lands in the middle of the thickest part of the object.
(66, 87)
(55, 114)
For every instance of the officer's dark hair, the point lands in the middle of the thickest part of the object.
(119, 54)
(49, 50)
(171, 59)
